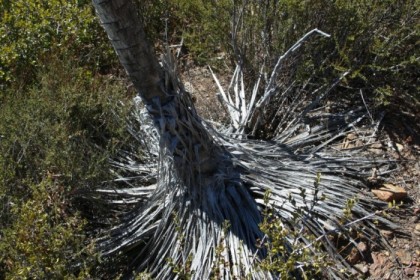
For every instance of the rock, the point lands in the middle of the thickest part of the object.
(399, 147)
(363, 268)
(404, 257)
(352, 136)
(390, 192)
(376, 146)
(411, 271)
(376, 151)
(189, 87)
(387, 234)
(362, 247)
(417, 229)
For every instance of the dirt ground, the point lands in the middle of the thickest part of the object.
(400, 141)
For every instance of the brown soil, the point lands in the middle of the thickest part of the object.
(199, 82)
(402, 142)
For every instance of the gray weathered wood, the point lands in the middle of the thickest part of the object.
(125, 30)
(181, 130)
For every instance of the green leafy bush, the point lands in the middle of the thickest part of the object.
(62, 125)
(293, 254)
(375, 41)
(32, 31)
(55, 138)
(202, 26)
(44, 241)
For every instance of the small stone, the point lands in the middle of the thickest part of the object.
(363, 268)
(376, 146)
(387, 234)
(410, 271)
(404, 256)
(399, 147)
(362, 247)
(417, 229)
(376, 151)
(390, 192)
(351, 136)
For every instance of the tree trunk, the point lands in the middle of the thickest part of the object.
(125, 31)
(171, 109)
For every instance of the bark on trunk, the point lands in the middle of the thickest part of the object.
(172, 111)
(125, 30)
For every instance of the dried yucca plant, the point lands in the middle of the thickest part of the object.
(194, 199)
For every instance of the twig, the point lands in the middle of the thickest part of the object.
(367, 109)
(269, 88)
(344, 226)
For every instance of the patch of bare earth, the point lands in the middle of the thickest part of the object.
(199, 82)
(401, 141)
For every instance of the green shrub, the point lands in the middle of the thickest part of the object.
(204, 37)
(197, 23)
(375, 40)
(292, 252)
(44, 241)
(63, 124)
(55, 138)
(31, 31)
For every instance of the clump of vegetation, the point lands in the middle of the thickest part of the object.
(202, 27)
(44, 240)
(32, 31)
(58, 129)
(55, 138)
(292, 251)
(375, 41)
(57, 124)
